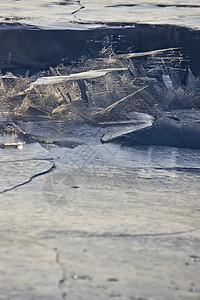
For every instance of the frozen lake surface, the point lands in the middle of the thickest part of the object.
(58, 14)
(82, 219)
(104, 222)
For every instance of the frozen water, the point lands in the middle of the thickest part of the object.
(108, 221)
(58, 14)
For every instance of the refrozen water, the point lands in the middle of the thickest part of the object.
(97, 221)
(100, 230)
(58, 14)
(103, 223)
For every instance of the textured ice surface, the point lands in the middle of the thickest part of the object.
(111, 235)
(58, 14)
(109, 221)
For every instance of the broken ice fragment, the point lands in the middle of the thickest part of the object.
(18, 145)
(76, 76)
(116, 129)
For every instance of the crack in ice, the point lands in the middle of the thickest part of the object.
(29, 180)
(63, 277)
(77, 10)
